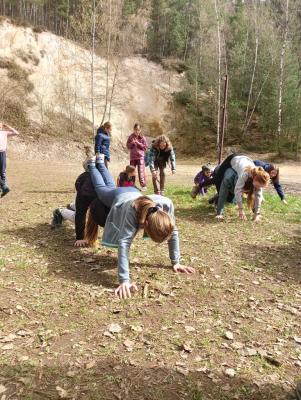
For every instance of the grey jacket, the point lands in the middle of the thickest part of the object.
(239, 164)
(122, 226)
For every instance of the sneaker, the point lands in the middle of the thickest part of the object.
(89, 157)
(57, 219)
(4, 192)
(143, 189)
(71, 206)
(100, 158)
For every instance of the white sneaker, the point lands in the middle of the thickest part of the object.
(100, 158)
(144, 189)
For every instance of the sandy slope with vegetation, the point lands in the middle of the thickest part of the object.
(57, 93)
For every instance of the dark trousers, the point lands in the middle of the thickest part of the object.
(221, 171)
(3, 184)
(159, 184)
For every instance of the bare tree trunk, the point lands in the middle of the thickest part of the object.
(113, 87)
(218, 71)
(108, 62)
(256, 102)
(92, 68)
(284, 44)
(254, 71)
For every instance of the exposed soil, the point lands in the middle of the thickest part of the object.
(181, 336)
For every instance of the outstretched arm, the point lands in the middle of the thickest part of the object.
(10, 131)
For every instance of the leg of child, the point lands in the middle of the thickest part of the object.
(105, 173)
(141, 173)
(156, 183)
(162, 178)
(69, 215)
(3, 184)
(99, 184)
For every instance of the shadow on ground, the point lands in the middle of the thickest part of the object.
(64, 260)
(111, 379)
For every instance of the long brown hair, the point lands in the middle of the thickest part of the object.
(91, 230)
(261, 176)
(157, 223)
(160, 139)
(106, 125)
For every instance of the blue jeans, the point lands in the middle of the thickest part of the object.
(3, 184)
(104, 184)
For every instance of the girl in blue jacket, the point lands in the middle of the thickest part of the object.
(273, 171)
(103, 140)
(130, 212)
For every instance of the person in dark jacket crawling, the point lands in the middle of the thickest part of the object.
(103, 140)
(86, 199)
(273, 171)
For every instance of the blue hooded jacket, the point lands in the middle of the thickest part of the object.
(102, 143)
(268, 167)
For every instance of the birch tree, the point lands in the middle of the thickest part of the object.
(283, 49)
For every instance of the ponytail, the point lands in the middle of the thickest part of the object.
(91, 230)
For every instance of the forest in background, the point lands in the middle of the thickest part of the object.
(256, 43)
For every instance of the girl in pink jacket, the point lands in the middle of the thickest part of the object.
(137, 145)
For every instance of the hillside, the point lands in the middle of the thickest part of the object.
(46, 81)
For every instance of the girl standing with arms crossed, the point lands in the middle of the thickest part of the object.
(137, 145)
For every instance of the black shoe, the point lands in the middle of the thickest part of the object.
(57, 219)
(298, 390)
(4, 192)
(213, 200)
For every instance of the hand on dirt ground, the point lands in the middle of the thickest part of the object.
(183, 268)
(124, 290)
(220, 217)
(284, 202)
(81, 243)
(242, 215)
(256, 218)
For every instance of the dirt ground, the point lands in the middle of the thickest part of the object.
(230, 331)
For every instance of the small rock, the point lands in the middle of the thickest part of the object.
(115, 328)
(297, 339)
(229, 335)
(189, 329)
(230, 372)
(63, 394)
(2, 389)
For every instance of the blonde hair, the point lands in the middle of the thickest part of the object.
(106, 125)
(91, 230)
(263, 179)
(160, 139)
(157, 223)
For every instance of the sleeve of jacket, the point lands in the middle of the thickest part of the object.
(278, 189)
(258, 200)
(142, 145)
(129, 143)
(152, 158)
(81, 208)
(127, 234)
(98, 143)
(197, 178)
(172, 158)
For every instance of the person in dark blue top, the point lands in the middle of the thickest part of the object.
(102, 141)
(273, 171)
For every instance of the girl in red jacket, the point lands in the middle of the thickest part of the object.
(137, 145)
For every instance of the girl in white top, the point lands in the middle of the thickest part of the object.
(251, 179)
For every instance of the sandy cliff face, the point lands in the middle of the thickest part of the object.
(60, 73)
